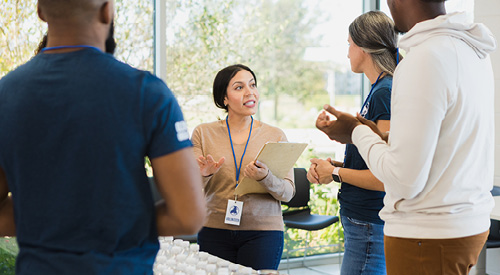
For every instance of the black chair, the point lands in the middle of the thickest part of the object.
(494, 236)
(493, 240)
(298, 214)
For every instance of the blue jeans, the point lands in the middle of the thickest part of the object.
(255, 249)
(364, 248)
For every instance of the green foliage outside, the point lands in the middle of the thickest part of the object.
(269, 36)
(8, 253)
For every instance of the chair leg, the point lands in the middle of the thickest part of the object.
(306, 248)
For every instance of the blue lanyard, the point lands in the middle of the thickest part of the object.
(238, 169)
(72, 46)
(370, 94)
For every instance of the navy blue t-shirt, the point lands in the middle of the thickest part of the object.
(355, 202)
(75, 128)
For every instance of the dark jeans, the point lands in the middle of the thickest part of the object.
(255, 249)
(363, 248)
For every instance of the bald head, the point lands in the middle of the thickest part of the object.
(69, 9)
(77, 22)
(407, 13)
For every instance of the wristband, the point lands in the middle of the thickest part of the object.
(335, 174)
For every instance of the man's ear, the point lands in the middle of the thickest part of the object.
(40, 13)
(106, 12)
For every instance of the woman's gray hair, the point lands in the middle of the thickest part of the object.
(374, 33)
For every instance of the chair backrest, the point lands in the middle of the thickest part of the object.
(494, 230)
(495, 224)
(302, 189)
(154, 191)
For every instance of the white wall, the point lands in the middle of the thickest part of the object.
(488, 12)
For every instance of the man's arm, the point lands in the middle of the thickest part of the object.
(340, 129)
(7, 225)
(418, 109)
(183, 210)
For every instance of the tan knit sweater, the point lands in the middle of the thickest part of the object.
(260, 211)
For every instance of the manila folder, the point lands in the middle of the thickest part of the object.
(279, 158)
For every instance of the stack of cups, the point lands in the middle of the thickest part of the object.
(179, 257)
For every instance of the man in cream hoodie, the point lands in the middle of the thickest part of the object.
(437, 164)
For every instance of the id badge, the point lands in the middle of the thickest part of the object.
(233, 212)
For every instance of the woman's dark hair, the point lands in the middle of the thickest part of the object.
(41, 45)
(221, 82)
(374, 33)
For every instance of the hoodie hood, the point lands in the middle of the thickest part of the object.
(476, 35)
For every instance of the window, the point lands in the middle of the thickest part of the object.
(134, 33)
(298, 51)
(21, 30)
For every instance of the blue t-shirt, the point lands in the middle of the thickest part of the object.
(355, 202)
(75, 128)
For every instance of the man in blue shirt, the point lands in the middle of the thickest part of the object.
(76, 126)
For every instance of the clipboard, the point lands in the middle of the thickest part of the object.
(279, 158)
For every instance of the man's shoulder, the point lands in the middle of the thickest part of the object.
(19, 71)
(127, 76)
(432, 49)
(115, 66)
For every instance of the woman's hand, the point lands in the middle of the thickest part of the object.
(256, 170)
(208, 166)
(320, 171)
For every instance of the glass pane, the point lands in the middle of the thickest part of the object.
(298, 51)
(297, 48)
(134, 33)
(21, 31)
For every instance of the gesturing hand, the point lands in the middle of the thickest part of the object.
(256, 170)
(373, 126)
(340, 129)
(208, 166)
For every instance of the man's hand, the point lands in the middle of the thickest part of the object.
(373, 126)
(340, 129)
(320, 171)
(208, 166)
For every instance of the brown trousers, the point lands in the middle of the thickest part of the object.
(432, 256)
